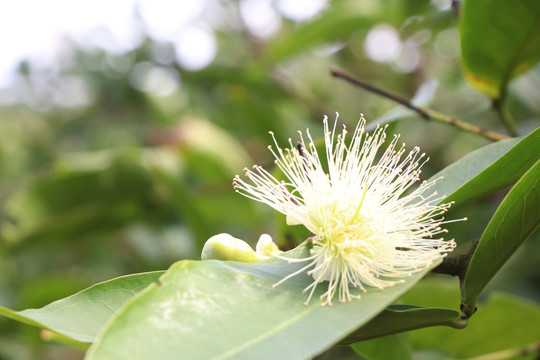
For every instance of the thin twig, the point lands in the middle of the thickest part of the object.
(456, 7)
(335, 71)
(426, 113)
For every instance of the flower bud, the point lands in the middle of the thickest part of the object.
(225, 247)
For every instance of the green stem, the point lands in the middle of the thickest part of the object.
(468, 309)
(460, 124)
(427, 114)
(458, 324)
(505, 116)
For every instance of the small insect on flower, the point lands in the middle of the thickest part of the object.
(369, 228)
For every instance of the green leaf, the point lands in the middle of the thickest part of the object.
(388, 347)
(82, 315)
(434, 301)
(436, 290)
(488, 169)
(499, 40)
(503, 322)
(400, 318)
(102, 192)
(229, 310)
(514, 221)
(335, 24)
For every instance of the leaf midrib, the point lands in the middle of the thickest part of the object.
(263, 336)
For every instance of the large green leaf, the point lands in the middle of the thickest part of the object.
(488, 169)
(82, 315)
(229, 310)
(499, 39)
(514, 221)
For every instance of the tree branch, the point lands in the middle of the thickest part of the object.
(456, 7)
(425, 113)
(457, 263)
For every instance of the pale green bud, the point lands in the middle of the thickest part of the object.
(225, 247)
(266, 247)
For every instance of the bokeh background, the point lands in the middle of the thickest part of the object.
(123, 123)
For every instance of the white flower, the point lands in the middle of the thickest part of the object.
(369, 230)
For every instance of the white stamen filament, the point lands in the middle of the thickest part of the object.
(368, 232)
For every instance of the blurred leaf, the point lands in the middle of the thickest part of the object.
(102, 195)
(81, 316)
(10, 348)
(186, 206)
(488, 169)
(431, 355)
(241, 99)
(425, 93)
(208, 147)
(503, 322)
(515, 220)
(51, 336)
(388, 347)
(499, 40)
(400, 318)
(198, 303)
(336, 24)
(436, 290)
(48, 288)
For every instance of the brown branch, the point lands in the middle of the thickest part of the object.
(456, 7)
(337, 72)
(457, 263)
(425, 113)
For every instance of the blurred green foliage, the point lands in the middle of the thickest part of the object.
(133, 180)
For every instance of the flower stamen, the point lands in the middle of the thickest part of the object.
(369, 230)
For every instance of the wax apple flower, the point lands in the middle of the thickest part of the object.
(369, 228)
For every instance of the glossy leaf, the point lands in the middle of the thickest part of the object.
(229, 310)
(499, 39)
(81, 316)
(488, 169)
(515, 220)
